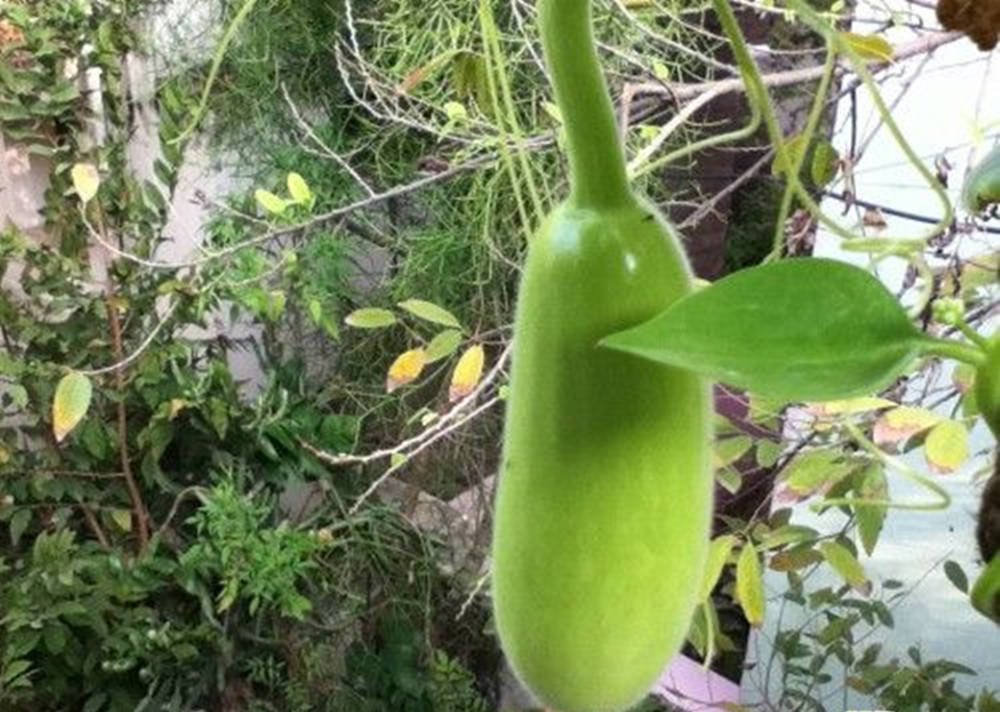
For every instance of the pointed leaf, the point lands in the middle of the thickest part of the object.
(430, 312)
(406, 368)
(443, 345)
(718, 554)
(86, 181)
(846, 565)
(956, 575)
(122, 519)
(799, 329)
(271, 202)
(871, 485)
(467, 373)
(370, 318)
(18, 523)
(70, 404)
(873, 48)
(947, 447)
(299, 189)
(750, 585)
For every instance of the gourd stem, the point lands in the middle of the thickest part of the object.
(596, 159)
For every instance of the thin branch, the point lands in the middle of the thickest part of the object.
(409, 446)
(420, 448)
(308, 130)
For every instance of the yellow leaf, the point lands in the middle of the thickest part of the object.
(467, 373)
(718, 553)
(406, 368)
(299, 189)
(86, 181)
(176, 406)
(70, 404)
(849, 406)
(902, 423)
(873, 48)
(122, 518)
(947, 447)
(750, 585)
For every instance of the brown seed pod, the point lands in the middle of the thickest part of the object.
(988, 526)
(979, 19)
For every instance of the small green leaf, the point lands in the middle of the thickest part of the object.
(798, 329)
(443, 345)
(982, 187)
(718, 553)
(750, 585)
(271, 202)
(70, 404)
(871, 485)
(430, 312)
(370, 318)
(122, 519)
(873, 48)
(845, 564)
(825, 160)
(18, 523)
(956, 575)
(299, 190)
(947, 446)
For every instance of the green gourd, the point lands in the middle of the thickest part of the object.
(604, 501)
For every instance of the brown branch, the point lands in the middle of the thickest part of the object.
(140, 516)
(94, 525)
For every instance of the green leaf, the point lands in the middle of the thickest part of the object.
(299, 190)
(122, 519)
(871, 485)
(799, 329)
(718, 553)
(18, 523)
(750, 585)
(956, 575)
(70, 404)
(370, 318)
(874, 48)
(982, 187)
(812, 471)
(430, 312)
(824, 163)
(271, 202)
(443, 345)
(845, 564)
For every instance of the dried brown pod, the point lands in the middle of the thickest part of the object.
(979, 19)
(988, 526)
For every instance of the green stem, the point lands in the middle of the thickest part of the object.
(973, 355)
(596, 158)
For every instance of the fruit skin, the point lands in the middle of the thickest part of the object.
(604, 501)
(987, 386)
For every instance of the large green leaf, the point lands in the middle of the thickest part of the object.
(801, 329)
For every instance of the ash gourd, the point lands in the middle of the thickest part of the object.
(604, 502)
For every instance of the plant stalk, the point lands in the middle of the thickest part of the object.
(596, 158)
